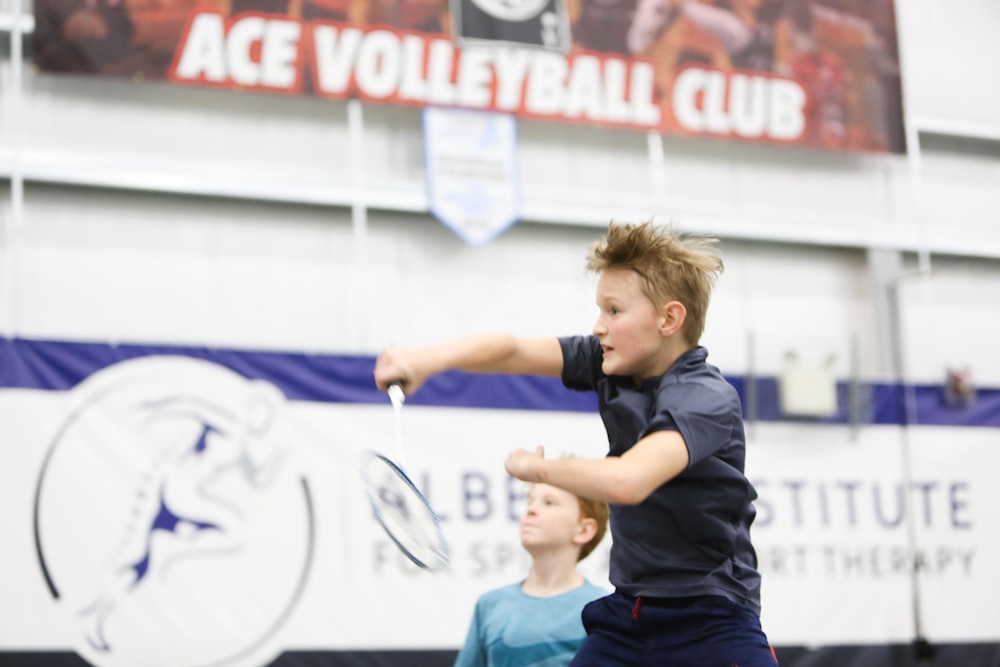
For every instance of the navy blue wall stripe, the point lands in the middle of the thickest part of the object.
(61, 365)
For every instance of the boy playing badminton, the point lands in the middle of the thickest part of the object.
(687, 591)
(537, 622)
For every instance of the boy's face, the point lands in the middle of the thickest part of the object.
(628, 326)
(552, 518)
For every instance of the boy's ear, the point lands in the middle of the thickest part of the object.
(585, 531)
(672, 317)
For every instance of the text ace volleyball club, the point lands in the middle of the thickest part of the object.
(281, 54)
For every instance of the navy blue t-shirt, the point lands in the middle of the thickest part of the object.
(691, 537)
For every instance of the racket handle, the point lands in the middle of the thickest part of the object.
(396, 394)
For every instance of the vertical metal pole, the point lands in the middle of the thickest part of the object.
(854, 389)
(751, 388)
(657, 173)
(15, 227)
(912, 131)
(915, 158)
(359, 216)
(889, 274)
(909, 404)
(916, 164)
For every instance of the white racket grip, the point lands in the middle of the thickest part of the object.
(396, 394)
(397, 397)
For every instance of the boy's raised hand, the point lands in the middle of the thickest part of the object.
(524, 465)
(400, 365)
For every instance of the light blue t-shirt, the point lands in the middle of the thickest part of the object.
(512, 629)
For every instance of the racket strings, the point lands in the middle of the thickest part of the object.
(404, 513)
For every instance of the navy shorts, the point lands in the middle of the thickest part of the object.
(708, 631)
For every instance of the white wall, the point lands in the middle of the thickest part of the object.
(127, 266)
(948, 318)
(951, 59)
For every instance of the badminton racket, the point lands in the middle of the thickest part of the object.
(397, 503)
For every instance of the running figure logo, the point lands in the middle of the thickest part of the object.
(167, 491)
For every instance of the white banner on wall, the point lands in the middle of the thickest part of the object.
(167, 511)
(833, 526)
(472, 173)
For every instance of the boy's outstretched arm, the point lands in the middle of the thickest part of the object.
(479, 353)
(622, 480)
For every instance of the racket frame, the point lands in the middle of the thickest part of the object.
(440, 549)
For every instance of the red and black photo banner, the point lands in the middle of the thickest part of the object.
(817, 73)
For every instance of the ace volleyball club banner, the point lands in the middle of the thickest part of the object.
(183, 507)
(817, 73)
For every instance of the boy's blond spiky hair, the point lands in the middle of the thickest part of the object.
(672, 267)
